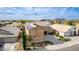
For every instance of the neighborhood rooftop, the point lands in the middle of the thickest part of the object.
(61, 27)
(8, 28)
(42, 23)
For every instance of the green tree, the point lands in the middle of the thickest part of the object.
(24, 38)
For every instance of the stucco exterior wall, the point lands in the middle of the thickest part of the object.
(77, 31)
(61, 33)
(67, 33)
(37, 34)
(27, 31)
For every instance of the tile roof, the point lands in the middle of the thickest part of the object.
(13, 30)
(61, 27)
(42, 23)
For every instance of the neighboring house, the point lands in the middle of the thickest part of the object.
(9, 34)
(11, 29)
(64, 30)
(77, 29)
(16, 24)
(36, 32)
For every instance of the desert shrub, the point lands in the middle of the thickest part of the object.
(47, 42)
(29, 49)
(33, 45)
(57, 34)
(54, 32)
(61, 37)
(67, 39)
(30, 38)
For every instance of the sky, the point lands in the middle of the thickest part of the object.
(37, 13)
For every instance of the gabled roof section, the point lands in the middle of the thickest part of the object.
(61, 27)
(42, 23)
(11, 29)
(30, 26)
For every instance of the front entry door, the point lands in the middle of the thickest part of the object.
(75, 33)
(45, 32)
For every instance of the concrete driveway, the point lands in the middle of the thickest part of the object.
(52, 39)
